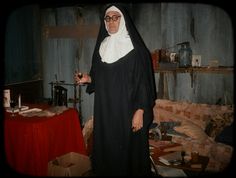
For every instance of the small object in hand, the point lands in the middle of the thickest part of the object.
(80, 75)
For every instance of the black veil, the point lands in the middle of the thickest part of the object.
(138, 44)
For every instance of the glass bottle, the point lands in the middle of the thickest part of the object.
(185, 55)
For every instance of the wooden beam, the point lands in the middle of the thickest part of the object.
(73, 31)
(220, 70)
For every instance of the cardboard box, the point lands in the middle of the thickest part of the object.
(70, 164)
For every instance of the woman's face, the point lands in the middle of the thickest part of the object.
(112, 21)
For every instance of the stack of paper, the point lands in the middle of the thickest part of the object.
(30, 110)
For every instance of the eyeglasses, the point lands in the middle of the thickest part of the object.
(114, 18)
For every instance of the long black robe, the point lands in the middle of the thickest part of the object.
(120, 89)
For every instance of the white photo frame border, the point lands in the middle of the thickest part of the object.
(196, 60)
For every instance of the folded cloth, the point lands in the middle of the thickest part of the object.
(55, 110)
(38, 113)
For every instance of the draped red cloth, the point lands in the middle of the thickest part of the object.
(31, 142)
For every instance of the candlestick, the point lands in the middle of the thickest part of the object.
(19, 101)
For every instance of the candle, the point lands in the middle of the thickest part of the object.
(19, 101)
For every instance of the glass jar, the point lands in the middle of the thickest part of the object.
(185, 55)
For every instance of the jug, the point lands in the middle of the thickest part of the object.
(185, 54)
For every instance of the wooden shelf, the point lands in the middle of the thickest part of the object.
(192, 71)
(220, 69)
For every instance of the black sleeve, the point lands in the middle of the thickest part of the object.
(143, 86)
(91, 86)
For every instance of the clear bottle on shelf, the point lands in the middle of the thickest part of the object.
(185, 54)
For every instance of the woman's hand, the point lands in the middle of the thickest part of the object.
(137, 122)
(82, 78)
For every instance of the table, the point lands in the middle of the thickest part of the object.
(31, 142)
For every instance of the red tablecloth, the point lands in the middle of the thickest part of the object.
(31, 142)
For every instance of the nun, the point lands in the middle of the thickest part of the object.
(122, 79)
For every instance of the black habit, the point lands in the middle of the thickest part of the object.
(120, 89)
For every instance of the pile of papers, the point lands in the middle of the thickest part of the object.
(37, 112)
(26, 112)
